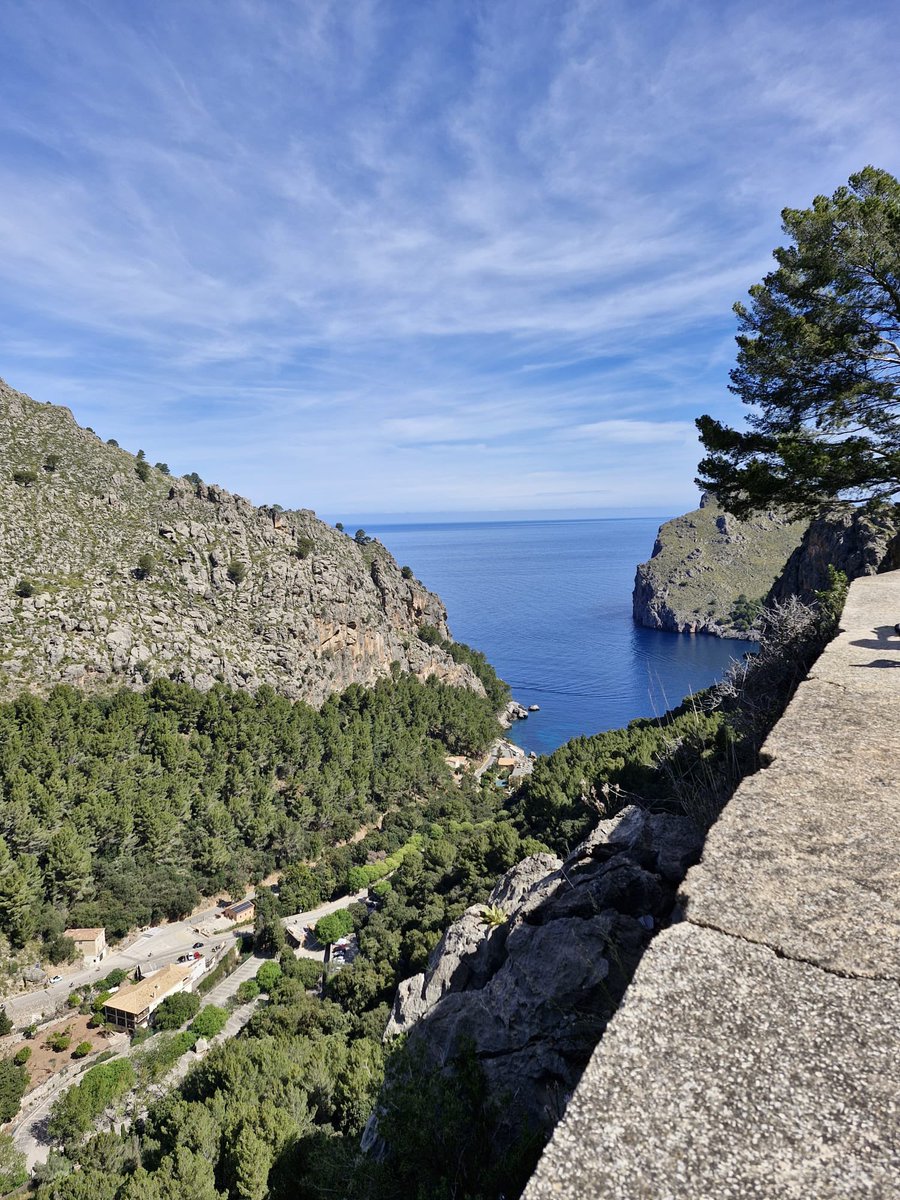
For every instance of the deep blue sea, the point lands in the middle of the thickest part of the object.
(549, 603)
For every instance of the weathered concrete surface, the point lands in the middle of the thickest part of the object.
(756, 1051)
(806, 856)
(729, 1074)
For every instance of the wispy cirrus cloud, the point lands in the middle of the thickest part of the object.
(414, 257)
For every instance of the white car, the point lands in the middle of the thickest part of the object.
(56, 979)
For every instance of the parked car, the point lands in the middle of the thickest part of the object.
(199, 945)
(56, 979)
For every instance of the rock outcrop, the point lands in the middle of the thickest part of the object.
(703, 562)
(112, 573)
(755, 1053)
(532, 994)
(856, 543)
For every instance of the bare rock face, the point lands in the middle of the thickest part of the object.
(113, 573)
(855, 543)
(534, 994)
(702, 562)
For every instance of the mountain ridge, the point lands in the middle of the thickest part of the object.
(113, 572)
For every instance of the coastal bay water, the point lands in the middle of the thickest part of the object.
(549, 603)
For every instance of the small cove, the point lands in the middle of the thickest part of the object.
(549, 603)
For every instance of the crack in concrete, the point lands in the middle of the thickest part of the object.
(783, 954)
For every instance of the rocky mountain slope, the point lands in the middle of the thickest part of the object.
(703, 562)
(113, 572)
(853, 542)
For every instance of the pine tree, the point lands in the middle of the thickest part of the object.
(819, 363)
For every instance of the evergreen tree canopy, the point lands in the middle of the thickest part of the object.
(819, 363)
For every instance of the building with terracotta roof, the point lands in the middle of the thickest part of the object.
(90, 943)
(132, 1006)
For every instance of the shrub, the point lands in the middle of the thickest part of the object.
(406, 572)
(210, 1020)
(248, 991)
(268, 975)
(13, 1082)
(25, 477)
(361, 538)
(493, 915)
(6, 1024)
(304, 547)
(237, 571)
(225, 967)
(13, 1170)
(154, 1063)
(164, 468)
(25, 588)
(61, 949)
(74, 1000)
(22, 1055)
(339, 526)
(82, 1050)
(142, 470)
(332, 928)
(74, 1112)
(112, 442)
(146, 565)
(429, 635)
(51, 463)
(176, 1010)
(308, 971)
(59, 1040)
(745, 613)
(116, 977)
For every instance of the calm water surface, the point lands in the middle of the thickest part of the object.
(549, 603)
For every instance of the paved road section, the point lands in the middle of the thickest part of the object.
(155, 946)
(28, 1129)
(755, 1056)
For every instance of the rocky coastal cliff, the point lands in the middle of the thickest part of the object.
(112, 573)
(704, 562)
(856, 543)
(707, 563)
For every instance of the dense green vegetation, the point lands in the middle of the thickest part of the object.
(278, 1111)
(81, 1104)
(122, 810)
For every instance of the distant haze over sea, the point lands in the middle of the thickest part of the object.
(549, 603)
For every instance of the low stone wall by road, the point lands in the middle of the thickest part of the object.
(757, 1051)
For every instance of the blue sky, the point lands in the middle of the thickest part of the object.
(414, 257)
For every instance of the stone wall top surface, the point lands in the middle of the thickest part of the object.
(755, 1052)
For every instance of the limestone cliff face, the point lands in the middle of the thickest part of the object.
(108, 579)
(532, 995)
(856, 543)
(702, 562)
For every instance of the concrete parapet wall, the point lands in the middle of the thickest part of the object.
(757, 1051)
